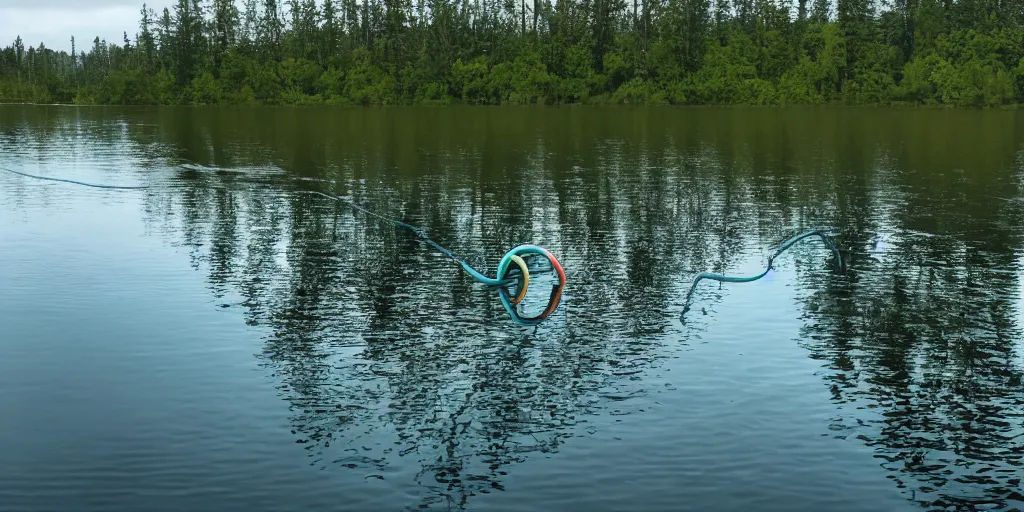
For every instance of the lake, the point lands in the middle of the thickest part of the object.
(222, 340)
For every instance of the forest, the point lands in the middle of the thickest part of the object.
(967, 53)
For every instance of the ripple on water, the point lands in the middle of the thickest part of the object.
(222, 339)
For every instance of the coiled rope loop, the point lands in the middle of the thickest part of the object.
(507, 300)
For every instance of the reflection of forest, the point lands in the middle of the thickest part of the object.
(377, 340)
(922, 342)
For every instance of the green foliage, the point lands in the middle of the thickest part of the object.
(342, 52)
(974, 83)
(966, 69)
(205, 90)
(469, 80)
(728, 75)
(635, 91)
(917, 85)
(872, 78)
(523, 81)
(366, 83)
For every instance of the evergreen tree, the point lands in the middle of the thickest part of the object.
(966, 53)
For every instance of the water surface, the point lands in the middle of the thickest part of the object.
(223, 341)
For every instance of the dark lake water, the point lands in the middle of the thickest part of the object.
(222, 341)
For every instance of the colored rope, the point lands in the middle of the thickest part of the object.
(746, 279)
(512, 269)
(505, 277)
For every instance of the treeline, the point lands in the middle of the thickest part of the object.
(764, 52)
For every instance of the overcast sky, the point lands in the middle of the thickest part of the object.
(53, 22)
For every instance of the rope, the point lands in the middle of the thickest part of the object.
(746, 279)
(73, 181)
(421, 234)
(502, 281)
(512, 261)
(506, 277)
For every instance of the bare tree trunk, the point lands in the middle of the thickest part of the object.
(536, 14)
(523, 4)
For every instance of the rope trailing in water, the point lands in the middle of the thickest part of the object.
(506, 275)
(746, 279)
(512, 268)
(72, 181)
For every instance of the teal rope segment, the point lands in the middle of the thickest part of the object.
(422, 236)
(510, 264)
(504, 267)
(488, 281)
(746, 279)
(94, 185)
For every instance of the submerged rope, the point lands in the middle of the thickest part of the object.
(512, 269)
(73, 181)
(746, 279)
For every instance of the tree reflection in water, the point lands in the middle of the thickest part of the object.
(385, 351)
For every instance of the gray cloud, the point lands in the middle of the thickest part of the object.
(70, 4)
(53, 22)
